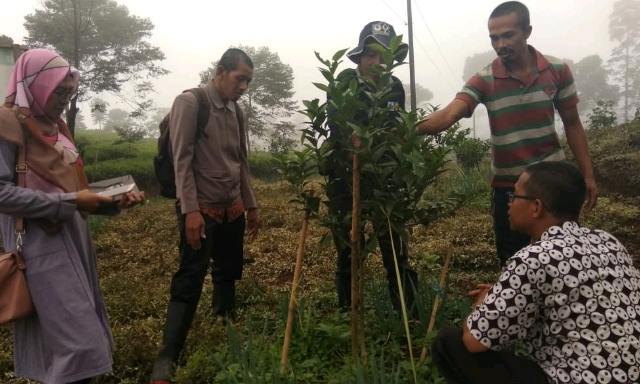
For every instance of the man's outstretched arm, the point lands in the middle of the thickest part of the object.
(442, 119)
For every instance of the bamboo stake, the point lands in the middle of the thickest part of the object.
(294, 290)
(434, 310)
(361, 274)
(355, 256)
(403, 303)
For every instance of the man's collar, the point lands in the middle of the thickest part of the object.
(568, 227)
(500, 71)
(215, 97)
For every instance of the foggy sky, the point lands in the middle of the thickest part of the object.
(193, 33)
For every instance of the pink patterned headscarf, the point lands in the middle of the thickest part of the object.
(35, 76)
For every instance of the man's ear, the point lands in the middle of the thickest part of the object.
(220, 70)
(539, 209)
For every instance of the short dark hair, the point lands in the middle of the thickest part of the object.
(230, 60)
(510, 7)
(560, 186)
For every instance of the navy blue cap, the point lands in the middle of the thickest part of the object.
(381, 33)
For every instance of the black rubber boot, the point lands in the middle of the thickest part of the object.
(176, 327)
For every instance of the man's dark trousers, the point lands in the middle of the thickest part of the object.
(508, 242)
(340, 205)
(459, 366)
(224, 246)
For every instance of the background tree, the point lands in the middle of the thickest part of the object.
(80, 124)
(281, 139)
(624, 29)
(133, 130)
(592, 82)
(152, 124)
(471, 151)
(6, 40)
(473, 64)
(602, 116)
(105, 42)
(117, 118)
(269, 97)
(98, 111)
(423, 95)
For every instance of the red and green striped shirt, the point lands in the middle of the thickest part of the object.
(521, 116)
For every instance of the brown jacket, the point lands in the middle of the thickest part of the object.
(212, 170)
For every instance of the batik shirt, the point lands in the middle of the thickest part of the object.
(573, 299)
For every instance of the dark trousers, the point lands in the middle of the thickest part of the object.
(223, 245)
(459, 366)
(508, 242)
(341, 205)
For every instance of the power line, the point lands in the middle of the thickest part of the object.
(434, 39)
(436, 67)
(424, 49)
(394, 11)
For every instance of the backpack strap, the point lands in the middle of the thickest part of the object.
(203, 111)
(240, 117)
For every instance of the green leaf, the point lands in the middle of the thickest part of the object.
(322, 87)
(338, 55)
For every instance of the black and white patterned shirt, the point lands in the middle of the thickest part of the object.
(573, 298)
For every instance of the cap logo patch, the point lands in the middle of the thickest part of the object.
(381, 29)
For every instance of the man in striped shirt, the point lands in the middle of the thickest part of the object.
(520, 89)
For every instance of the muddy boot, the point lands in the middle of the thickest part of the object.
(176, 327)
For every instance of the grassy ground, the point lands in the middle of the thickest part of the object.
(137, 257)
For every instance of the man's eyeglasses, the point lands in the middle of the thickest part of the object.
(512, 196)
(65, 93)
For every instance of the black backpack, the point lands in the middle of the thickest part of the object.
(163, 161)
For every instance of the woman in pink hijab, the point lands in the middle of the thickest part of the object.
(68, 338)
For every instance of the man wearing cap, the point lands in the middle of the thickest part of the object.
(338, 188)
(520, 89)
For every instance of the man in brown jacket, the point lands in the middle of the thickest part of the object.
(214, 190)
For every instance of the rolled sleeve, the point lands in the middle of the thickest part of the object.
(509, 311)
(67, 206)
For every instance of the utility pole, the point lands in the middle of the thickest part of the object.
(412, 70)
(474, 124)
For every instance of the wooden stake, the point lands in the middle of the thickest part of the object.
(294, 290)
(355, 256)
(361, 281)
(434, 310)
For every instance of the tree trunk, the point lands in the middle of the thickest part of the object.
(72, 112)
(355, 259)
(73, 109)
(626, 84)
(248, 117)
